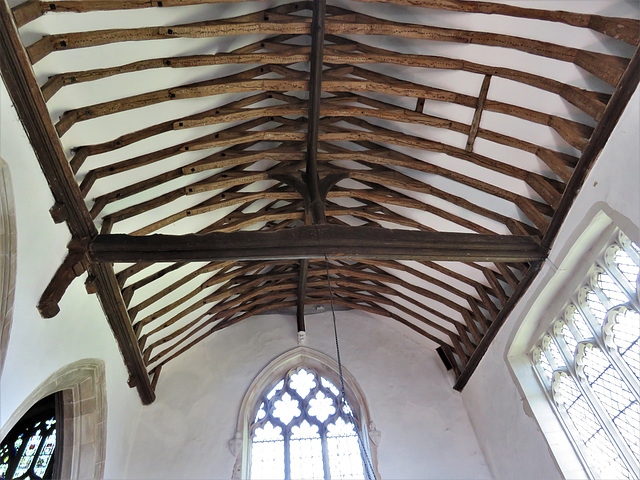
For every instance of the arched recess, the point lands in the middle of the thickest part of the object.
(8, 257)
(83, 388)
(276, 370)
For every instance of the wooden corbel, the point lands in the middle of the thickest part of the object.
(74, 265)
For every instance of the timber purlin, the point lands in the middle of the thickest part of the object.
(314, 242)
(296, 174)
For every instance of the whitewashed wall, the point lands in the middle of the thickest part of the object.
(510, 438)
(38, 347)
(426, 433)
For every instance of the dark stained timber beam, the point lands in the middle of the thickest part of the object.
(315, 93)
(31, 108)
(314, 242)
(302, 293)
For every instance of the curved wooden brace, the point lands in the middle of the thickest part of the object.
(624, 29)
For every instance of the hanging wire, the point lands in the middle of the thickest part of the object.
(369, 471)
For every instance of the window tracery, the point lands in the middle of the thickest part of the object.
(588, 362)
(303, 429)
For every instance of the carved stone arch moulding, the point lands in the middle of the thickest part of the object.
(84, 398)
(276, 370)
(8, 255)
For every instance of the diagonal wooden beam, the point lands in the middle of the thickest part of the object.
(302, 293)
(314, 242)
(30, 106)
(475, 125)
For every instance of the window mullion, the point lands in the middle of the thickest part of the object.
(599, 340)
(325, 453)
(595, 404)
(621, 367)
(622, 283)
(577, 444)
(607, 423)
(592, 321)
(287, 454)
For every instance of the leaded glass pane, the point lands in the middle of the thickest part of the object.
(626, 337)
(4, 461)
(345, 459)
(569, 339)
(286, 409)
(611, 289)
(547, 369)
(45, 455)
(596, 395)
(598, 310)
(306, 453)
(614, 395)
(303, 382)
(261, 413)
(267, 453)
(28, 450)
(327, 384)
(28, 454)
(321, 406)
(555, 354)
(18, 443)
(602, 457)
(626, 266)
(581, 324)
(275, 389)
(305, 416)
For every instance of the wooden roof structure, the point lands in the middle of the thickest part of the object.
(217, 159)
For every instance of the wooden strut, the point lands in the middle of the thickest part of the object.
(316, 201)
(31, 108)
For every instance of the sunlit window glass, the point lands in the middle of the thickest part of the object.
(588, 362)
(304, 430)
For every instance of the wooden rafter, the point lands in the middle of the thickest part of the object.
(31, 108)
(343, 172)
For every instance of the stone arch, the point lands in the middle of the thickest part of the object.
(84, 399)
(300, 357)
(8, 257)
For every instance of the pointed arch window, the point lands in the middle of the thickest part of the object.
(29, 450)
(588, 363)
(304, 430)
(300, 425)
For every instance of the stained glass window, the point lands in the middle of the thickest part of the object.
(305, 430)
(29, 452)
(588, 362)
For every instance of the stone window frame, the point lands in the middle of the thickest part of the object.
(8, 255)
(299, 357)
(84, 406)
(560, 277)
(571, 363)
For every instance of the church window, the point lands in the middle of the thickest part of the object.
(304, 428)
(28, 452)
(588, 363)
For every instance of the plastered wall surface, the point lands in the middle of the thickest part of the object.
(426, 433)
(38, 347)
(511, 439)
